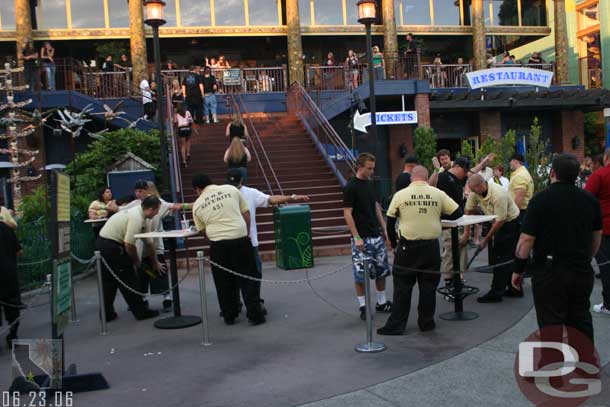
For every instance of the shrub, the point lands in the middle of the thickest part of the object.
(425, 146)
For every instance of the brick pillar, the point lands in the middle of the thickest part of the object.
(139, 57)
(571, 124)
(422, 106)
(398, 135)
(490, 125)
(23, 26)
(478, 35)
(561, 42)
(295, 45)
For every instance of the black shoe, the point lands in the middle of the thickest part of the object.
(111, 316)
(513, 293)
(427, 327)
(488, 298)
(230, 320)
(146, 314)
(167, 305)
(385, 308)
(263, 308)
(384, 330)
(258, 320)
(363, 313)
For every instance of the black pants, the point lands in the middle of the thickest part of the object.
(150, 110)
(502, 250)
(10, 296)
(117, 258)
(602, 257)
(561, 296)
(196, 109)
(237, 255)
(421, 255)
(148, 278)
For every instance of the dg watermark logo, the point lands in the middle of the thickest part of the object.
(558, 366)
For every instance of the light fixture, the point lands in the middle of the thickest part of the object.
(367, 11)
(154, 13)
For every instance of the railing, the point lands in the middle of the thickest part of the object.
(446, 76)
(107, 85)
(594, 78)
(336, 153)
(241, 80)
(242, 109)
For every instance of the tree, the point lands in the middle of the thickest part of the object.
(425, 146)
(537, 158)
(466, 150)
(507, 148)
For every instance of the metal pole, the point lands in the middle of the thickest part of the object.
(372, 102)
(369, 346)
(160, 112)
(100, 292)
(73, 316)
(204, 301)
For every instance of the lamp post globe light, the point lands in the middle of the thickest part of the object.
(154, 19)
(367, 14)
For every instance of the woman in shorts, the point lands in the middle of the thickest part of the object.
(184, 122)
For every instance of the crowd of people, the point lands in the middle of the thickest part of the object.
(553, 234)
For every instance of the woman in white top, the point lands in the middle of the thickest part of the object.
(499, 177)
(184, 123)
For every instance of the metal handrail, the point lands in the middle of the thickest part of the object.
(242, 108)
(175, 150)
(299, 101)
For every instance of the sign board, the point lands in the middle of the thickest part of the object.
(509, 76)
(362, 121)
(231, 77)
(63, 197)
(62, 294)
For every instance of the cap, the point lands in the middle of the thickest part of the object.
(462, 162)
(518, 157)
(411, 159)
(140, 184)
(234, 176)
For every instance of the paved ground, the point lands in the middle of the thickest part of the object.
(304, 354)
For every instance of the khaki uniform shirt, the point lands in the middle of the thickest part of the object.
(521, 179)
(218, 211)
(123, 226)
(497, 202)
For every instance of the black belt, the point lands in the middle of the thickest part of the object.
(113, 242)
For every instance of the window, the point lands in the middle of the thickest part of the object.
(118, 14)
(305, 12)
(328, 12)
(352, 12)
(533, 12)
(587, 17)
(505, 12)
(447, 12)
(7, 14)
(414, 12)
(263, 12)
(230, 12)
(195, 13)
(86, 13)
(52, 14)
(169, 12)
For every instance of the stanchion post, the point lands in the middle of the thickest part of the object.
(369, 346)
(73, 315)
(100, 292)
(204, 300)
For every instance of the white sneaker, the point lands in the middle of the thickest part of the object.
(599, 308)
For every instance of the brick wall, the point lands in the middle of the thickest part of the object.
(398, 135)
(570, 125)
(422, 106)
(490, 125)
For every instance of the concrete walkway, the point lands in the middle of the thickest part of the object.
(304, 354)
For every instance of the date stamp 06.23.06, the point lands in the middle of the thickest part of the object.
(37, 399)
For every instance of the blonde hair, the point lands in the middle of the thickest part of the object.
(237, 120)
(176, 85)
(236, 151)
(151, 189)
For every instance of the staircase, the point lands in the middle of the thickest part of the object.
(299, 167)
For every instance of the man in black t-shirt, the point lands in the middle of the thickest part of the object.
(365, 220)
(404, 179)
(209, 99)
(563, 225)
(192, 91)
(10, 295)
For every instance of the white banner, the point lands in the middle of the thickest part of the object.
(509, 76)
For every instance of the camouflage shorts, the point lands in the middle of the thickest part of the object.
(374, 247)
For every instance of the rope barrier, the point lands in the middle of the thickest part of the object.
(33, 263)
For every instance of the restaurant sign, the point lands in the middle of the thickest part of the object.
(509, 76)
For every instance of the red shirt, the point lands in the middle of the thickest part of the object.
(599, 185)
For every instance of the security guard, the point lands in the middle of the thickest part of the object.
(521, 185)
(10, 295)
(418, 208)
(563, 226)
(117, 244)
(494, 200)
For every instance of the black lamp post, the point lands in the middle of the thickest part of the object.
(154, 19)
(367, 14)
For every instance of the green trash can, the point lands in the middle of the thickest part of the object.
(293, 241)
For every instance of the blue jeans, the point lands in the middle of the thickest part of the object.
(209, 106)
(50, 70)
(378, 72)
